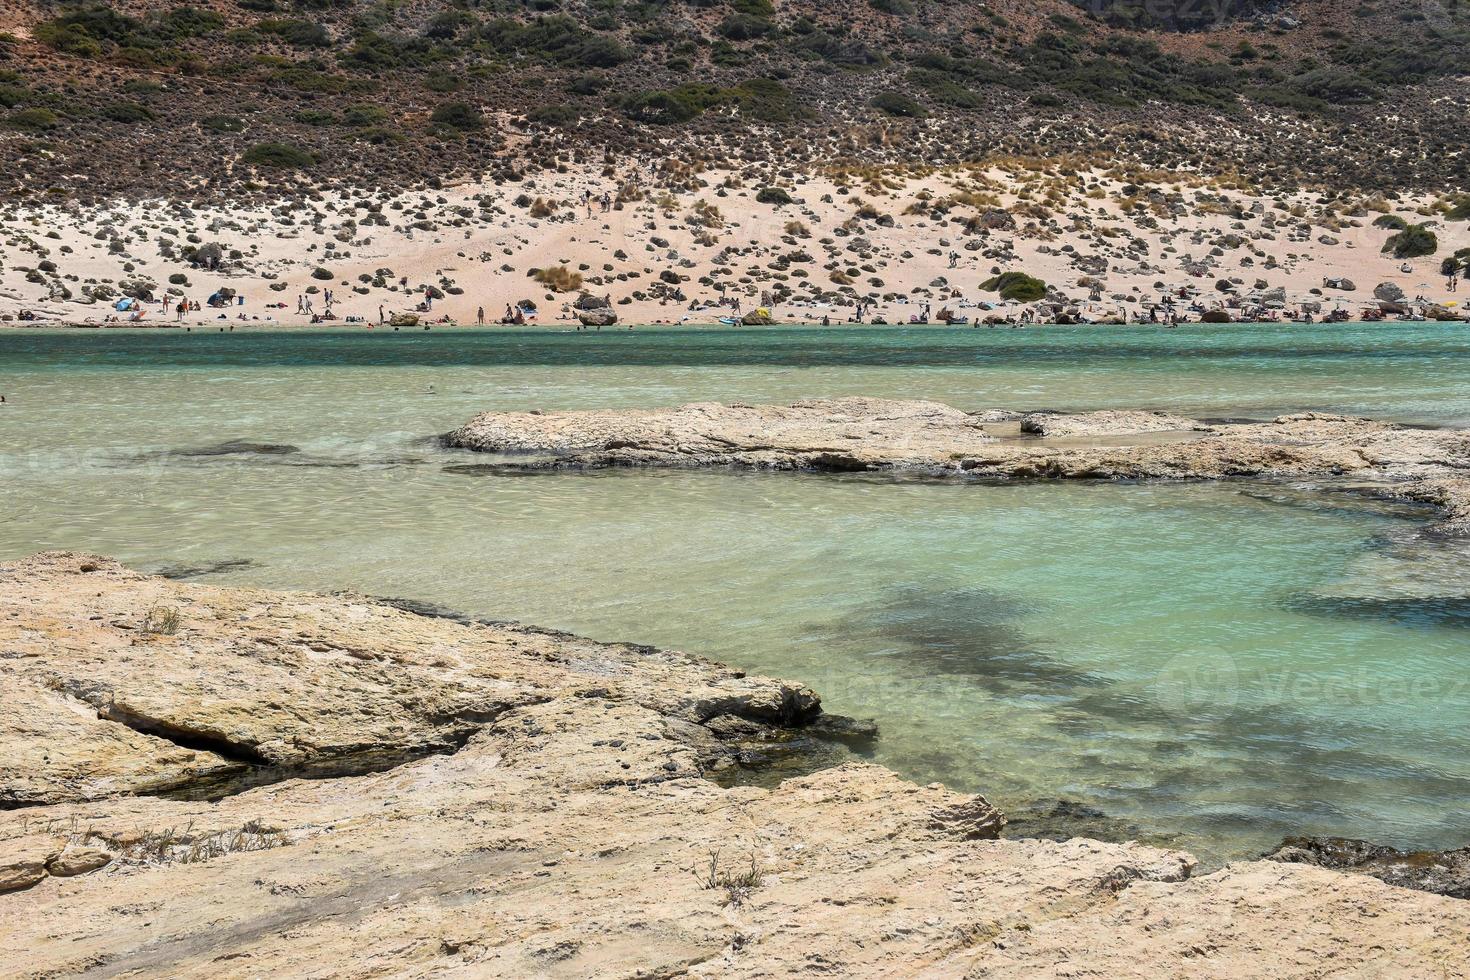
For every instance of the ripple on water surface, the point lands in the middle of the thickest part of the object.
(1215, 665)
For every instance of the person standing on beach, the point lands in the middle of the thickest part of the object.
(382, 318)
(480, 316)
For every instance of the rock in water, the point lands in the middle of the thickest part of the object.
(1441, 872)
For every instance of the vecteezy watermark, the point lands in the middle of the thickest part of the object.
(1198, 685)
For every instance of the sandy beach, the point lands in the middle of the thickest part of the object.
(907, 244)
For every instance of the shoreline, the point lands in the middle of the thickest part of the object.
(572, 327)
(582, 791)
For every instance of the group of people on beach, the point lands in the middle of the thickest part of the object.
(605, 200)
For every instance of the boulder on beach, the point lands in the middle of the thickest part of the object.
(1338, 282)
(404, 320)
(1388, 292)
(587, 301)
(997, 219)
(602, 316)
(209, 256)
(758, 318)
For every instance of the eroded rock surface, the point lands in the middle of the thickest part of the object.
(1441, 872)
(876, 435)
(125, 683)
(573, 832)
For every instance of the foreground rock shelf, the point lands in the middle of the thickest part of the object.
(927, 438)
(561, 822)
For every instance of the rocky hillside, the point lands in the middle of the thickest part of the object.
(105, 97)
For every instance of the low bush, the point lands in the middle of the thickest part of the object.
(1016, 286)
(460, 116)
(32, 120)
(892, 103)
(278, 156)
(1412, 242)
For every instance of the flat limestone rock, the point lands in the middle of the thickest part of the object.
(1110, 423)
(124, 683)
(574, 834)
(836, 434)
(930, 439)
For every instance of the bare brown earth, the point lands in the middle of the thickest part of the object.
(567, 829)
(926, 438)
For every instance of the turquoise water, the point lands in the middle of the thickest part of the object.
(1211, 665)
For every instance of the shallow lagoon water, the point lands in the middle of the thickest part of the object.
(1210, 665)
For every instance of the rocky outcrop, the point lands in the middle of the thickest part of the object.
(602, 316)
(1108, 423)
(122, 683)
(1440, 872)
(927, 438)
(571, 832)
(841, 434)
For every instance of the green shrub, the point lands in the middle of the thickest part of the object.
(743, 27)
(1412, 242)
(848, 52)
(459, 116)
(897, 104)
(773, 195)
(316, 117)
(379, 136)
(127, 112)
(553, 115)
(278, 156)
(364, 115)
(298, 33)
(13, 95)
(556, 38)
(669, 107)
(223, 124)
(32, 120)
(1390, 221)
(1016, 286)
